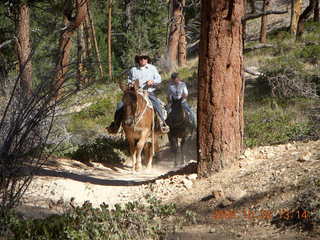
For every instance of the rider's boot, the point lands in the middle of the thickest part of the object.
(115, 125)
(164, 127)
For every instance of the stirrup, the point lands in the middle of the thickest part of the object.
(164, 128)
(113, 129)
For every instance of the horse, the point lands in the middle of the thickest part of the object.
(138, 125)
(180, 128)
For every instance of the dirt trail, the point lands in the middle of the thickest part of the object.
(267, 178)
(64, 179)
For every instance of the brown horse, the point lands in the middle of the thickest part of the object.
(138, 125)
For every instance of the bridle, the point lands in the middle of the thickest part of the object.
(139, 114)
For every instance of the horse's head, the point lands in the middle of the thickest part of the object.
(130, 101)
(177, 110)
(177, 104)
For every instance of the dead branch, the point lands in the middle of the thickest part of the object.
(247, 70)
(6, 43)
(260, 14)
(258, 46)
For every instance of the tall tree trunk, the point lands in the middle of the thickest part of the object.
(264, 22)
(95, 43)
(65, 42)
(244, 24)
(174, 34)
(220, 86)
(182, 44)
(109, 39)
(87, 38)
(80, 57)
(304, 16)
(296, 7)
(128, 12)
(24, 48)
(316, 16)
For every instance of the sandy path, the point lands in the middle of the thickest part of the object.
(64, 179)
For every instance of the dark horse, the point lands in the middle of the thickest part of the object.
(138, 125)
(180, 128)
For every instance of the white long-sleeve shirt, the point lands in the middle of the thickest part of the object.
(144, 74)
(177, 90)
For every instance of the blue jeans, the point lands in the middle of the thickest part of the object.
(191, 114)
(155, 103)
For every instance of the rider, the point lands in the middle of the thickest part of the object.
(148, 77)
(177, 90)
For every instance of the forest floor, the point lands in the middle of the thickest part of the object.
(247, 201)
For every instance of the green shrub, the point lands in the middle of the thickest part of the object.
(97, 109)
(131, 221)
(104, 150)
(267, 125)
(309, 53)
(92, 120)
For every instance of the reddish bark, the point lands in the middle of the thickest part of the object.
(296, 6)
(65, 43)
(24, 48)
(316, 16)
(220, 86)
(304, 16)
(174, 33)
(264, 22)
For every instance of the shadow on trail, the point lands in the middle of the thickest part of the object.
(93, 180)
(120, 174)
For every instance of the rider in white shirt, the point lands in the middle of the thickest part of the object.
(177, 90)
(148, 77)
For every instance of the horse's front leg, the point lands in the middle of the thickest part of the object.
(133, 153)
(139, 148)
(182, 150)
(154, 147)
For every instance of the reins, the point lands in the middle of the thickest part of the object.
(139, 117)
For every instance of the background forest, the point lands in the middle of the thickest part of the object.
(60, 64)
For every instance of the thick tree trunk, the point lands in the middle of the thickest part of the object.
(304, 16)
(65, 43)
(316, 16)
(182, 44)
(109, 39)
(24, 48)
(264, 22)
(96, 48)
(296, 6)
(220, 86)
(174, 34)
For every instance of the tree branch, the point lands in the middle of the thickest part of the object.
(6, 43)
(260, 14)
(247, 70)
(249, 49)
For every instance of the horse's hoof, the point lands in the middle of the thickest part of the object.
(139, 168)
(149, 167)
